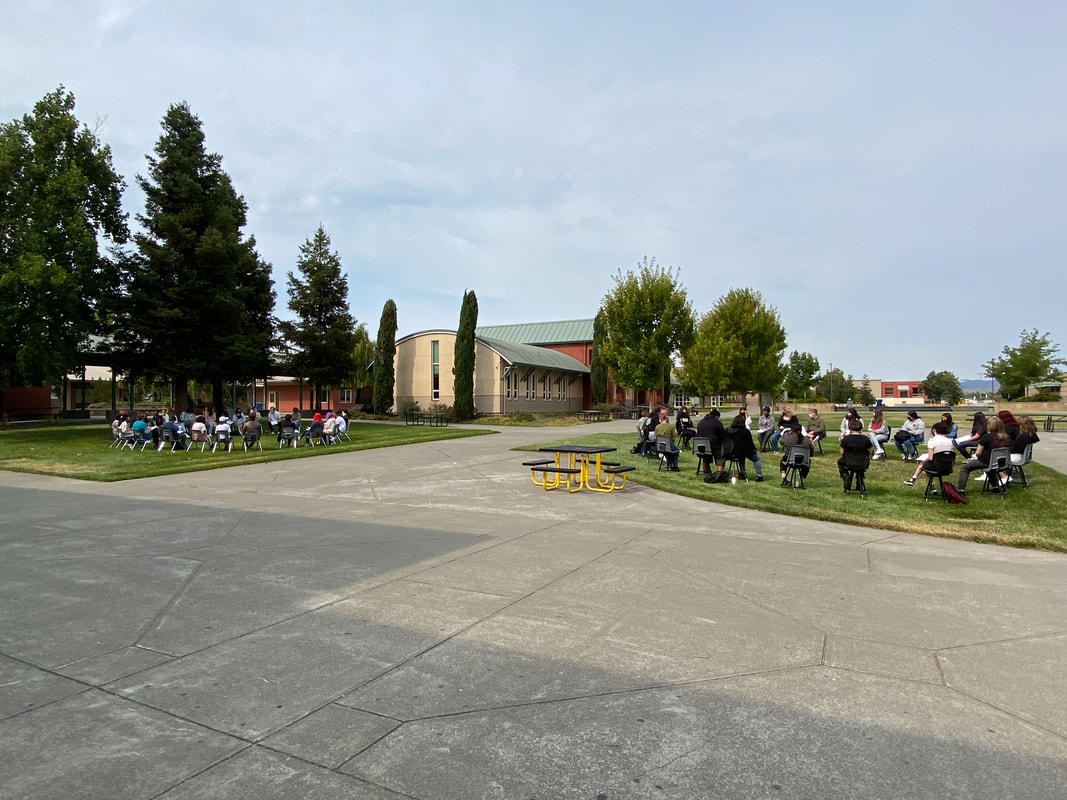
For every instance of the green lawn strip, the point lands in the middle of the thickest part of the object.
(82, 451)
(1032, 517)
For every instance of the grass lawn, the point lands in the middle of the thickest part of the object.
(81, 451)
(1033, 517)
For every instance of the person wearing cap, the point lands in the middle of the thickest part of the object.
(764, 428)
(911, 433)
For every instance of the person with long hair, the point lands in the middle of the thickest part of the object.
(978, 429)
(1027, 436)
(878, 430)
(994, 437)
(953, 428)
(785, 423)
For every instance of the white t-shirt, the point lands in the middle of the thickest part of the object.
(937, 444)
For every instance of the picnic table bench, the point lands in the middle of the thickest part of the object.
(1051, 421)
(436, 419)
(592, 415)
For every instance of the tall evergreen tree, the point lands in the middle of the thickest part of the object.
(323, 338)
(598, 370)
(59, 202)
(384, 358)
(200, 300)
(463, 371)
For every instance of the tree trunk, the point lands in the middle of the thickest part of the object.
(217, 402)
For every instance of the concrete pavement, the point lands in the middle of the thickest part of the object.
(424, 622)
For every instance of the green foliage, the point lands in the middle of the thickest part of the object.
(942, 387)
(362, 356)
(384, 362)
(385, 349)
(405, 405)
(864, 395)
(1036, 359)
(800, 374)
(60, 203)
(463, 371)
(200, 301)
(647, 318)
(834, 386)
(323, 337)
(738, 347)
(598, 370)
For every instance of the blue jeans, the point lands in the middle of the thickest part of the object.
(754, 458)
(774, 439)
(907, 447)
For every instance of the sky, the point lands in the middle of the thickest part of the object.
(892, 178)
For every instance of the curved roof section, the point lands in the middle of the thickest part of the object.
(529, 355)
(564, 332)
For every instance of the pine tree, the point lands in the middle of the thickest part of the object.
(463, 371)
(384, 358)
(323, 338)
(200, 300)
(59, 202)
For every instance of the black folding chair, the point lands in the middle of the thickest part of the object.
(857, 462)
(939, 467)
(797, 461)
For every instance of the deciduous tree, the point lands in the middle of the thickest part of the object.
(647, 319)
(463, 371)
(384, 358)
(739, 346)
(942, 387)
(60, 204)
(834, 386)
(200, 300)
(1036, 359)
(800, 374)
(323, 337)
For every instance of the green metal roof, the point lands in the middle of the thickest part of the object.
(565, 332)
(532, 356)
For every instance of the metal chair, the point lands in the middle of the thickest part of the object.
(1028, 453)
(287, 436)
(202, 438)
(940, 467)
(252, 440)
(169, 437)
(999, 461)
(797, 461)
(702, 450)
(857, 462)
(663, 453)
(116, 438)
(224, 438)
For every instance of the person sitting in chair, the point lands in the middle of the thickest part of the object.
(785, 422)
(994, 437)
(683, 426)
(710, 428)
(314, 430)
(764, 428)
(939, 443)
(911, 433)
(665, 432)
(794, 437)
(744, 447)
(816, 426)
(878, 430)
(854, 440)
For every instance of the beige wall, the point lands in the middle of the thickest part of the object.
(413, 367)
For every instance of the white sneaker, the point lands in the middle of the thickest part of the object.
(1007, 480)
(980, 477)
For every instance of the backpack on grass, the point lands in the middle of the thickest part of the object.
(952, 495)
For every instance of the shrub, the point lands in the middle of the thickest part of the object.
(405, 405)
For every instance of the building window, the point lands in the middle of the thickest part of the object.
(346, 397)
(546, 387)
(562, 394)
(435, 361)
(679, 399)
(530, 394)
(888, 391)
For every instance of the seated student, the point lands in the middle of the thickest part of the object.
(1011, 425)
(222, 427)
(764, 428)
(850, 414)
(816, 426)
(199, 428)
(273, 419)
(252, 424)
(785, 422)
(878, 430)
(953, 428)
(978, 429)
(683, 426)
(854, 440)
(286, 427)
(665, 431)
(238, 419)
(794, 437)
(744, 447)
(314, 430)
(994, 437)
(140, 425)
(710, 428)
(1027, 436)
(342, 423)
(911, 433)
(329, 427)
(119, 425)
(171, 426)
(940, 442)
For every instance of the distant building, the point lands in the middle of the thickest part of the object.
(893, 393)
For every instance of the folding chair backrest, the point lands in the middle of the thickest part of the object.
(663, 445)
(1028, 453)
(856, 459)
(1000, 459)
(702, 446)
(223, 436)
(799, 456)
(252, 436)
(944, 462)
